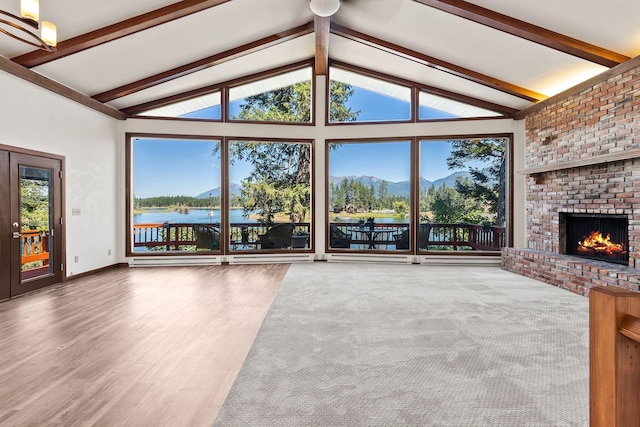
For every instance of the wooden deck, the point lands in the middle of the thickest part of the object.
(131, 347)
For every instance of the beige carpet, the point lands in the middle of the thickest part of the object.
(398, 345)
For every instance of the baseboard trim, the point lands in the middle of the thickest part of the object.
(488, 261)
(181, 261)
(90, 272)
(377, 258)
(270, 259)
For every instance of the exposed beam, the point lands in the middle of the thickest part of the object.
(506, 111)
(205, 63)
(528, 31)
(117, 30)
(53, 86)
(437, 64)
(322, 26)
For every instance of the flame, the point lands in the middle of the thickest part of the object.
(601, 244)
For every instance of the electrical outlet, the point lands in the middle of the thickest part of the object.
(108, 251)
(75, 258)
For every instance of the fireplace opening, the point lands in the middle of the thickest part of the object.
(598, 236)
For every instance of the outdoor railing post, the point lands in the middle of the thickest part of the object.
(455, 238)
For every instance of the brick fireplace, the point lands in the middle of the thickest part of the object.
(583, 160)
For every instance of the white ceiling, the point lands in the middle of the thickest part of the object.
(613, 25)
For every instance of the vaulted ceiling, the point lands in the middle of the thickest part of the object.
(120, 54)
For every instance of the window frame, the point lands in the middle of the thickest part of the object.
(226, 200)
(373, 75)
(129, 193)
(412, 191)
(509, 179)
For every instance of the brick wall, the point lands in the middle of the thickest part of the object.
(599, 121)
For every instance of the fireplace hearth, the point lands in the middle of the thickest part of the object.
(597, 236)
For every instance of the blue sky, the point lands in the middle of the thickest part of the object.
(174, 168)
(389, 160)
(171, 167)
(187, 167)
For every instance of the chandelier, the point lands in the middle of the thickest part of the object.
(324, 7)
(24, 27)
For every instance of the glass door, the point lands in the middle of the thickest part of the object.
(32, 223)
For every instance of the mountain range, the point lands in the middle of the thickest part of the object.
(401, 188)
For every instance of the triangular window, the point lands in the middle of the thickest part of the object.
(433, 107)
(282, 98)
(201, 107)
(354, 97)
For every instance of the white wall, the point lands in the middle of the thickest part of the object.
(33, 118)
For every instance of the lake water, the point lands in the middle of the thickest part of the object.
(201, 216)
(193, 216)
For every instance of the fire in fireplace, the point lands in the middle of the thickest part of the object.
(596, 243)
(601, 237)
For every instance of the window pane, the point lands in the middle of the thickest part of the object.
(369, 196)
(463, 194)
(270, 195)
(176, 201)
(36, 222)
(436, 107)
(202, 107)
(282, 98)
(358, 98)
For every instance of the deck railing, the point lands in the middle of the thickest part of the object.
(244, 236)
(34, 253)
(34, 246)
(181, 237)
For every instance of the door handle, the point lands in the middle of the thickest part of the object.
(16, 235)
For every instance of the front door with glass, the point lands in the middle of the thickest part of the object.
(31, 245)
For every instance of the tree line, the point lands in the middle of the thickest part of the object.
(350, 194)
(169, 201)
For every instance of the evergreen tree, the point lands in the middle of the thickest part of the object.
(281, 167)
(489, 182)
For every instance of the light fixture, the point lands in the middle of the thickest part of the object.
(22, 27)
(324, 7)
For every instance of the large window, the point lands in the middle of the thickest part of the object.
(369, 197)
(176, 195)
(463, 194)
(270, 195)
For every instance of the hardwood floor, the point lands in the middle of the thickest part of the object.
(131, 346)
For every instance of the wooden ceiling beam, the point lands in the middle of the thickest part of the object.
(116, 31)
(322, 26)
(205, 63)
(58, 88)
(528, 31)
(437, 64)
